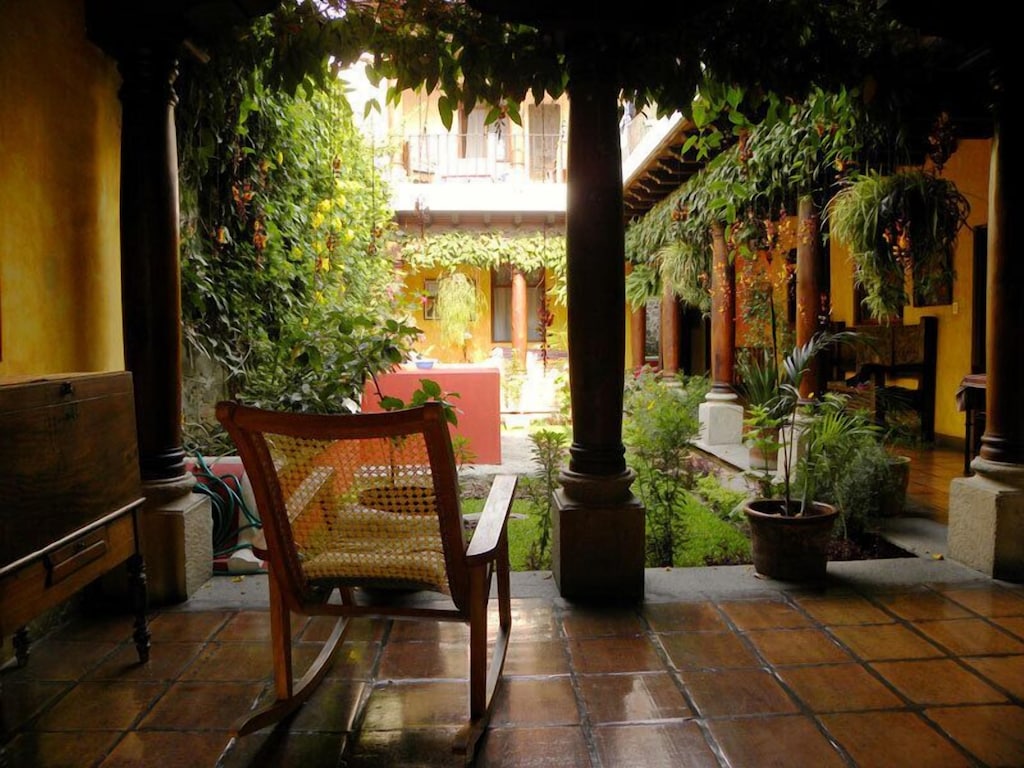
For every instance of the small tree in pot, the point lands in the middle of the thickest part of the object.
(766, 412)
(789, 532)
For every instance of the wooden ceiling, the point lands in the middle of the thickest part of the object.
(664, 170)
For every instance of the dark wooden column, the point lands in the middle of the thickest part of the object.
(723, 314)
(597, 524)
(1003, 440)
(986, 510)
(596, 267)
(520, 321)
(145, 42)
(808, 285)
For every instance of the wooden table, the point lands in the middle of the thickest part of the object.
(970, 398)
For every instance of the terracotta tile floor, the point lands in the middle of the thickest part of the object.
(920, 665)
(931, 470)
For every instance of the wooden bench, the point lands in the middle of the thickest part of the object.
(899, 362)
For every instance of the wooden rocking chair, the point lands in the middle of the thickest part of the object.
(360, 503)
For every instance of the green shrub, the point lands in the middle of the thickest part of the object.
(550, 448)
(709, 539)
(850, 466)
(720, 499)
(660, 425)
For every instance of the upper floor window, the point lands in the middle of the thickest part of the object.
(483, 141)
(545, 127)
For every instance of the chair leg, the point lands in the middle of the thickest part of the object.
(289, 695)
(483, 678)
(503, 576)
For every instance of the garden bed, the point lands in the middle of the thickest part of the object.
(865, 546)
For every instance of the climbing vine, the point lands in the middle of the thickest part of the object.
(284, 230)
(489, 250)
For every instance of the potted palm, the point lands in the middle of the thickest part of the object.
(758, 385)
(790, 531)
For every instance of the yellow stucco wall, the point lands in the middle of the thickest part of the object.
(60, 299)
(480, 346)
(968, 169)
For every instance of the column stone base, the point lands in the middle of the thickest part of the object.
(986, 520)
(721, 419)
(177, 540)
(598, 543)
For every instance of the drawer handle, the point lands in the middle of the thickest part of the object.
(73, 557)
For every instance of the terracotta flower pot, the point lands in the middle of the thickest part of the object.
(763, 460)
(790, 548)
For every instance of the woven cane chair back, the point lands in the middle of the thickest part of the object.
(366, 500)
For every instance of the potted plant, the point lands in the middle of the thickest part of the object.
(762, 441)
(904, 223)
(899, 435)
(851, 466)
(790, 534)
(758, 385)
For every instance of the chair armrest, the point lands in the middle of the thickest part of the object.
(493, 519)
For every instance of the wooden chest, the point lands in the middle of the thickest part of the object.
(69, 488)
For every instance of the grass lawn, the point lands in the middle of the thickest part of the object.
(523, 531)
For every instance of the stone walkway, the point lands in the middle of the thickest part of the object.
(516, 457)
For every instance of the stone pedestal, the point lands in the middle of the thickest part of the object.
(598, 539)
(177, 536)
(986, 520)
(721, 419)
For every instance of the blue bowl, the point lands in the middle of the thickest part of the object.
(425, 363)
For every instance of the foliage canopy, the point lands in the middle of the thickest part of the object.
(285, 224)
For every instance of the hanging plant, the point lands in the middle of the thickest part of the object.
(643, 283)
(458, 307)
(900, 225)
(686, 269)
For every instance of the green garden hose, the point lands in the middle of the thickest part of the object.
(226, 500)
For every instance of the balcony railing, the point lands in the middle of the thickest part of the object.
(475, 157)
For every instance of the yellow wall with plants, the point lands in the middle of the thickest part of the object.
(968, 169)
(479, 347)
(60, 295)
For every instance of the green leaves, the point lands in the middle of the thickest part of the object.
(428, 391)
(389, 403)
(903, 223)
(489, 250)
(284, 222)
(447, 112)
